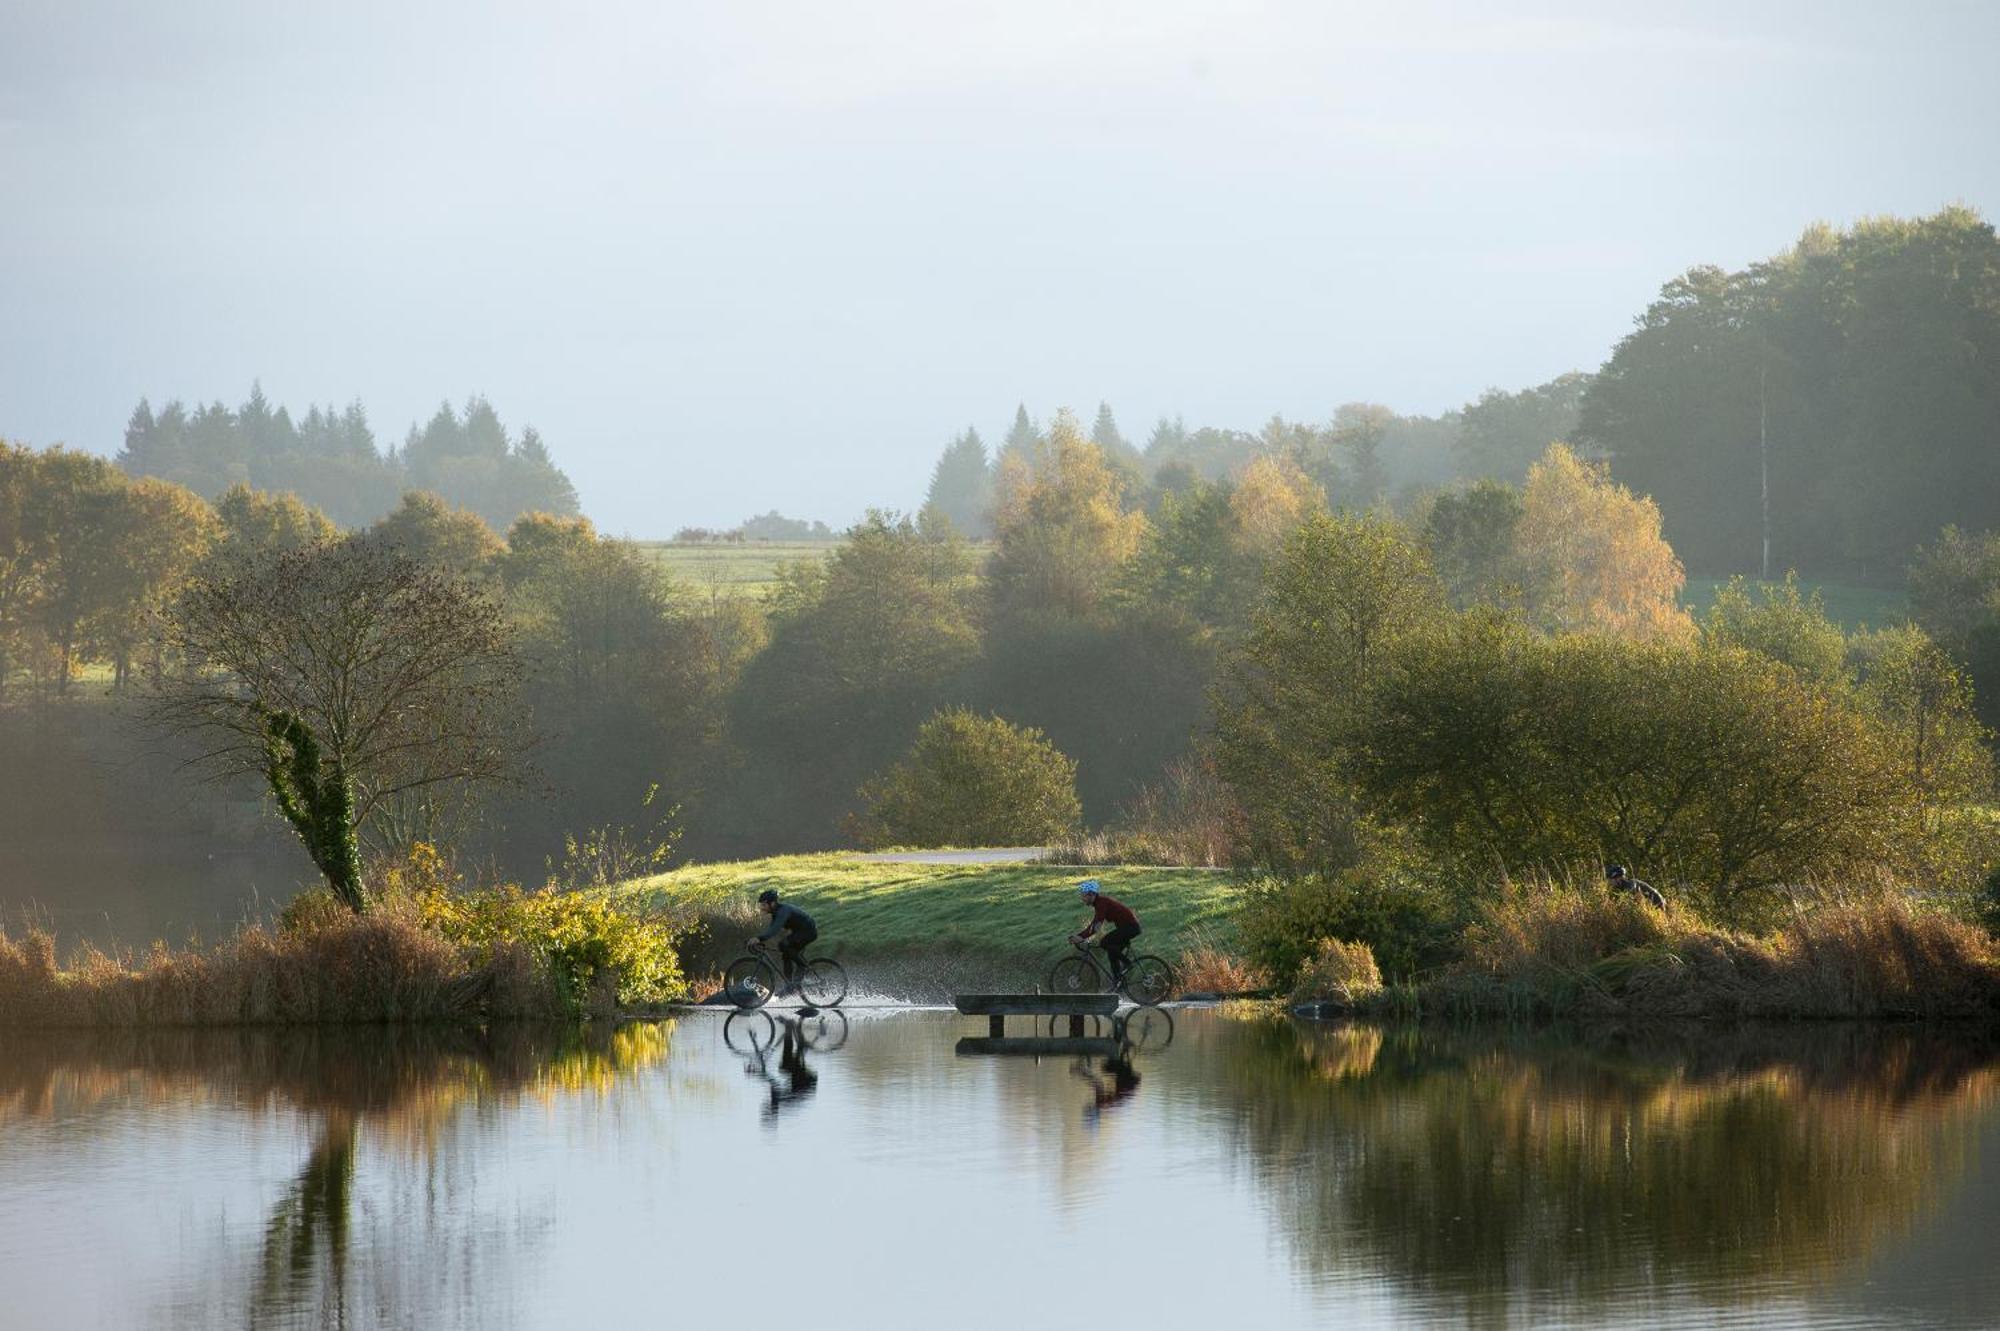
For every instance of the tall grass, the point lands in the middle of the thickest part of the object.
(1560, 950)
(384, 966)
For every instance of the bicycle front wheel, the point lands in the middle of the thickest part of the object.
(825, 1031)
(750, 981)
(1146, 1030)
(822, 983)
(1074, 975)
(1148, 980)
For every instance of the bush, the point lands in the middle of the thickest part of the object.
(598, 957)
(1343, 973)
(971, 780)
(1407, 928)
(1205, 968)
(1704, 765)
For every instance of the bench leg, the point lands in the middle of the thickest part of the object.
(996, 1026)
(1076, 1026)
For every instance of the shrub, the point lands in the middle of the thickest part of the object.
(597, 956)
(972, 780)
(1407, 928)
(1498, 746)
(1343, 973)
(1205, 968)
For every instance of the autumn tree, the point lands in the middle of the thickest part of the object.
(254, 522)
(161, 532)
(1064, 530)
(1593, 554)
(23, 548)
(366, 688)
(427, 529)
(1781, 623)
(1339, 594)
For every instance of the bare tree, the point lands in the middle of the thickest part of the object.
(359, 683)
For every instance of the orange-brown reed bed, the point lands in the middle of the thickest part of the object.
(385, 966)
(1565, 952)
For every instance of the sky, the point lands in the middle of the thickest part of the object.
(734, 256)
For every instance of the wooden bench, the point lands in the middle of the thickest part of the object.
(996, 1008)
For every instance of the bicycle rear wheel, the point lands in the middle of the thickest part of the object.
(1075, 975)
(750, 981)
(822, 983)
(1148, 980)
(748, 1031)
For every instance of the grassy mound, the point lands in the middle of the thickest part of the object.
(870, 910)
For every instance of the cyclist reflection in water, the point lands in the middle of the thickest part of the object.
(799, 1080)
(1106, 1092)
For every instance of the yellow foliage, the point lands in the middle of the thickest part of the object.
(1063, 527)
(1273, 496)
(1596, 558)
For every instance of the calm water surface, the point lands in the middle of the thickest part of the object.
(1253, 1172)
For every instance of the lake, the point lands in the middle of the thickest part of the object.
(1250, 1171)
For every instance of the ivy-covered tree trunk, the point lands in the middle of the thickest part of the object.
(317, 799)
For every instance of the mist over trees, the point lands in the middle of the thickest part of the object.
(329, 458)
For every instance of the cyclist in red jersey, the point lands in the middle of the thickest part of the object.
(1108, 910)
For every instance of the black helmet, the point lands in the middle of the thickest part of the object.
(767, 896)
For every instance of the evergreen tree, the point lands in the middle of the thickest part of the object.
(1022, 437)
(962, 486)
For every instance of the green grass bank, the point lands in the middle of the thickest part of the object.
(981, 922)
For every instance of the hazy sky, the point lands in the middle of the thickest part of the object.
(736, 255)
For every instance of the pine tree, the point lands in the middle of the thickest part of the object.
(1105, 432)
(962, 486)
(1022, 438)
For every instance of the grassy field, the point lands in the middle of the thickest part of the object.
(748, 568)
(870, 909)
(1849, 607)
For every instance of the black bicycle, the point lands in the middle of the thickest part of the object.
(755, 978)
(752, 1033)
(1147, 978)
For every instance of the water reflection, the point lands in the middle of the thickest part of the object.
(1500, 1172)
(399, 1089)
(762, 1038)
(1238, 1169)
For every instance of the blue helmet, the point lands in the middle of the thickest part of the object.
(1087, 888)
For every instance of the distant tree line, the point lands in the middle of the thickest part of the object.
(1362, 454)
(771, 526)
(329, 458)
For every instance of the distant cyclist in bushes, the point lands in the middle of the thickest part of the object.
(797, 930)
(1108, 910)
(1619, 879)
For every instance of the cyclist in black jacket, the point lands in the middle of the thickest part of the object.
(797, 929)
